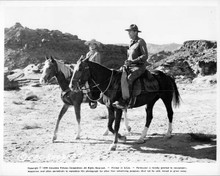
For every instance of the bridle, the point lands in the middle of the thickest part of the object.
(55, 71)
(86, 88)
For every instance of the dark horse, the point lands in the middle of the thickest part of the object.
(63, 73)
(108, 82)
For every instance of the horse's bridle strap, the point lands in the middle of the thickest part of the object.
(97, 85)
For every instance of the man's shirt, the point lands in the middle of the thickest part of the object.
(137, 52)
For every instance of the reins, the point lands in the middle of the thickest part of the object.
(97, 85)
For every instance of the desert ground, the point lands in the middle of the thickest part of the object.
(29, 126)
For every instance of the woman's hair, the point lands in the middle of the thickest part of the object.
(96, 46)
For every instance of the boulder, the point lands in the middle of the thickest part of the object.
(10, 84)
(30, 96)
(32, 68)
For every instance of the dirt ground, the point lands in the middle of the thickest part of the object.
(29, 126)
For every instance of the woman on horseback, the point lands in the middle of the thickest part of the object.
(94, 56)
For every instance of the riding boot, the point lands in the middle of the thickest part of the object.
(132, 98)
(123, 101)
(120, 104)
(132, 102)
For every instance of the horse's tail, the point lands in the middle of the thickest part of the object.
(176, 94)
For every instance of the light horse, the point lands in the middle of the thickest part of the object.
(63, 73)
(108, 82)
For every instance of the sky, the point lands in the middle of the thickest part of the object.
(161, 22)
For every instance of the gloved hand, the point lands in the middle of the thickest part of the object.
(128, 62)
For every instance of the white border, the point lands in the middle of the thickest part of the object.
(21, 168)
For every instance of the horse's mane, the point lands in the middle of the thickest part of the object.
(115, 84)
(98, 65)
(67, 71)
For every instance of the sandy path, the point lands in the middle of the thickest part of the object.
(197, 114)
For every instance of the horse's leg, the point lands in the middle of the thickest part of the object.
(168, 104)
(111, 118)
(149, 117)
(128, 128)
(77, 107)
(106, 131)
(126, 121)
(116, 129)
(62, 112)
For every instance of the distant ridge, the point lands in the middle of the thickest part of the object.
(155, 48)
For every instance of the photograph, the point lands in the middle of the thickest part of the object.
(109, 87)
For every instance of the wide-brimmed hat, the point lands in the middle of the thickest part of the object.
(133, 27)
(92, 41)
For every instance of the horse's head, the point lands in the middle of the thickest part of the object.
(49, 70)
(80, 75)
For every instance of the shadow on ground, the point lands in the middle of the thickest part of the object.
(198, 146)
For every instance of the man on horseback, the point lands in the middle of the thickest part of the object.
(135, 64)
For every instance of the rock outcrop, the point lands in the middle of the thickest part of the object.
(24, 46)
(10, 84)
(195, 57)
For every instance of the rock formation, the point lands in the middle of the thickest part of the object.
(195, 57)
(24, 46)
(26, 49)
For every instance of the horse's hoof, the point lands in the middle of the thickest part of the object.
(113, 147)
(54, 139)
(129, 129)
(77, 137)
(140, 141)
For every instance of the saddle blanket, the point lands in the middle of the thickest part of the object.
(145, 83)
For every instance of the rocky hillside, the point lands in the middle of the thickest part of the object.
(24, 46)
(194, 58)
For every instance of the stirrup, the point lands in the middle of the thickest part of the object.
(93, 105)
(132, 102)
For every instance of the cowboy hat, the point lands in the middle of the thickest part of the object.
(92, 41)
(133, 27)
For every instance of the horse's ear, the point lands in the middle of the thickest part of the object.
(51, 58)
(81, 58)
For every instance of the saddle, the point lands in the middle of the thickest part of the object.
(144, 84)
